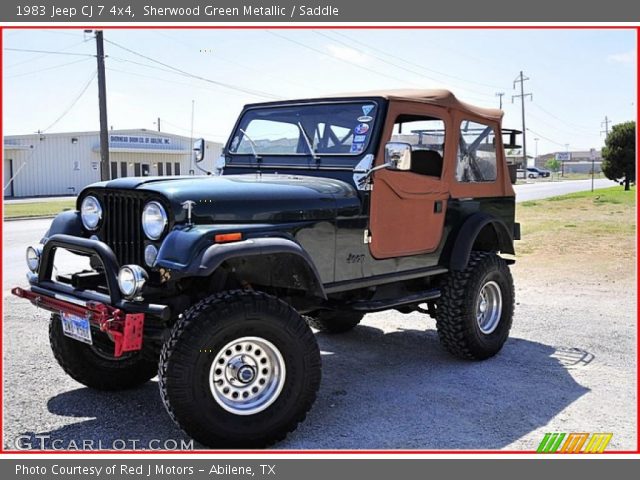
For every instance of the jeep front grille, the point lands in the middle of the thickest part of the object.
(122, 226)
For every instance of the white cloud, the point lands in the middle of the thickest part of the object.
(348, 54)
(623, 57)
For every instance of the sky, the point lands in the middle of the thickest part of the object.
(576, 77)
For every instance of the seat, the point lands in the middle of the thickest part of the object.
(426, 162)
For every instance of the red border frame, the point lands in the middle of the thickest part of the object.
(302, 27)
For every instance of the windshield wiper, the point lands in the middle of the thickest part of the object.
(309, 145)
(253, 145)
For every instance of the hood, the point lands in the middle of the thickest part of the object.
(249, 197)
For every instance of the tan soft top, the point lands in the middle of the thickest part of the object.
(435, 97)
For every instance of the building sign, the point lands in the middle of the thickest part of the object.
(563, 156)
(138, 141)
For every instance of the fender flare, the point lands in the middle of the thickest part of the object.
(468, 234)
(216, 254)
(67, 222)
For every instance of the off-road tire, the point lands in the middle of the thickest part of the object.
(94, 368)
(201, 333)
(456, 322)
(334, 321)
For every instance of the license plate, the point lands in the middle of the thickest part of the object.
(76, 327)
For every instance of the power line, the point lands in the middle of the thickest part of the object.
(256, 93)
(395, 56)
(193, 47)
(166, 80)
(75, 100)
(126, 60)
(572, 125)
(317, 50)
(559, 129)
(396, 65)
(49, 52)
(38, 57)
(31, 72)
(362, 67)
(547, 138)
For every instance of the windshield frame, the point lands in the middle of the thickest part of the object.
(374, 127)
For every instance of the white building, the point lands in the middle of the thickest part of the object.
(64, 163)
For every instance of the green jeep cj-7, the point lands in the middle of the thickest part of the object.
(318, 212)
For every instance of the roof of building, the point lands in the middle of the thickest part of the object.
(129, 131)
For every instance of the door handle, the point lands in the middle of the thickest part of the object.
(437, 206)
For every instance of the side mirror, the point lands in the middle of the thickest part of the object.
(397, 156)
(198, 148)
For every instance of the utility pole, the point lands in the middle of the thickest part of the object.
(500, 94)
(566, 155)
(192, 165)
(605, 123)
(521, 79)
(158, 123)
(102, 100)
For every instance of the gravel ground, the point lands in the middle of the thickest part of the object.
(570, 366)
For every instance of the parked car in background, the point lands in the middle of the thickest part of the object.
(541, 172)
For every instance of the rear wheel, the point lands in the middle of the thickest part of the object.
(94, 365)
(334, 321)
(241, 369)
(475, 311)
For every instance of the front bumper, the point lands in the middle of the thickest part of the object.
(121, 318)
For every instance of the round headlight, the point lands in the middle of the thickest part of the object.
(150, 254)
(33, 258)
(154, 220)
(131, 279)
(90, 213)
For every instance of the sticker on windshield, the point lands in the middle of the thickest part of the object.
(367, 109)
(361, 129)
(357, 147)
(359, 138)
(365, 118)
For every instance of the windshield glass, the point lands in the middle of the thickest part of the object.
(332, 129)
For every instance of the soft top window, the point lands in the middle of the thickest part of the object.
(330, 129)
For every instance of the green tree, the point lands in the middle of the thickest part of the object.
(619, 154)
(553, 164)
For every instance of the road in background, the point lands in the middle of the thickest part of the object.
(539, 190)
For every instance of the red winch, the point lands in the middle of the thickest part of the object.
(125, 329)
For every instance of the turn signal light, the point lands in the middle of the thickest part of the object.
(228, 237)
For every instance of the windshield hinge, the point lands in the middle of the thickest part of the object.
(367, 236)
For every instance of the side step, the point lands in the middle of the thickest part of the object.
(385, 304)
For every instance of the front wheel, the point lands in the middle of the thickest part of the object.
(240, 369)
(475, 311)
(94, 365)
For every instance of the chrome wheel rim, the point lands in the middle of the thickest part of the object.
(489, 307)
(247, 375)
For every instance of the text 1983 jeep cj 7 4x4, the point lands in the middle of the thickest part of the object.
(319, 211)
